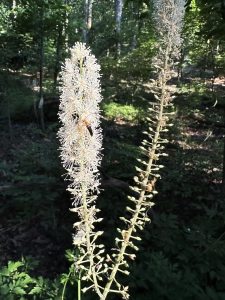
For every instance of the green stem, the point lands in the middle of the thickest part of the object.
(64, 287)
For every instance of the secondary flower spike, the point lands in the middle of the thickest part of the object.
(80, 135)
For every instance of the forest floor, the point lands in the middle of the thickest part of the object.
(32, 224)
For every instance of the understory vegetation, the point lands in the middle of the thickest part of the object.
(182, 249)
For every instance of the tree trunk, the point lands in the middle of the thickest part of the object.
(41, 101)
(85, 19)
(58, 47)
(65, 32)
(119, 9)
(135, 13)
(89, 19)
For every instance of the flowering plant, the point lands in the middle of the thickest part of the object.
(81, 142)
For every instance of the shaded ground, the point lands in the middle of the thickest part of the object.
(30, 222)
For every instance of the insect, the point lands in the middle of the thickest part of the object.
(87, 124)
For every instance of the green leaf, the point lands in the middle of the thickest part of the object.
(13, 266)
(35, 290)
(19, 291)
(40, 280)
(5, 271)
(4, 289)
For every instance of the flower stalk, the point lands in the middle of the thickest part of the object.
(168, 17)
(81, 141)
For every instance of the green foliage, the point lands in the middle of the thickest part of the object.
(203, 34)
(184, 261)
(16, 283)
(126, 113)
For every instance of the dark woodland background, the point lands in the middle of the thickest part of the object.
(182, 252)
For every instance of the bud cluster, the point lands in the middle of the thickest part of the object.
(168, 17)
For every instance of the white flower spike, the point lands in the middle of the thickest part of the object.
(80, 135)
